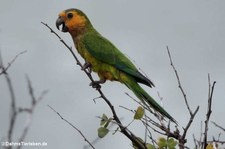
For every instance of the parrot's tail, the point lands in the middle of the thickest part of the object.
(145, 97)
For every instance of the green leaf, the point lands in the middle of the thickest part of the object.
(139, 113)
(150, 146)
(104, 119)
(162, 143)
(171, 143)
(102, 132)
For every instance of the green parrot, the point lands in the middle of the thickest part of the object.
(105, 58)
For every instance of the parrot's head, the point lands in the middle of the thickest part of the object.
(73, 21)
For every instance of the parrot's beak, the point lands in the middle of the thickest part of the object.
(60, 22)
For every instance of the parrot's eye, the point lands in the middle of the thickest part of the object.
(69, 15)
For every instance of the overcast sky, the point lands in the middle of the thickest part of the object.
(193, 30)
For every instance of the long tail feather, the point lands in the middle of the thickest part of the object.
(145, 97)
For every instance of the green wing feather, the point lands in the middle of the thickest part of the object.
(103, 50)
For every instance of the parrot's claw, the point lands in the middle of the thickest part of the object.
(95, 84)
(87, 66)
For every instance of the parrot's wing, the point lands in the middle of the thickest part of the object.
(103, 50)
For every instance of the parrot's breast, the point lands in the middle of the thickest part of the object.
(104, 70)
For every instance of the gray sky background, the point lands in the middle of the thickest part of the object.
(193, 30)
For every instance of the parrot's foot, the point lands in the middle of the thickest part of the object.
(87, 66)
(96, 84)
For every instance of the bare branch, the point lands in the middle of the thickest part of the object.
(179, 83)
(85, 139)
(13, 112)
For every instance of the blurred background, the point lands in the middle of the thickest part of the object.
(193, 30)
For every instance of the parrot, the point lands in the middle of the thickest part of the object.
(104, 58)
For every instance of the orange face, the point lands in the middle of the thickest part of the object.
(70, 21)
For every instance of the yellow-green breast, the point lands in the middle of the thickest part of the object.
(104, 70)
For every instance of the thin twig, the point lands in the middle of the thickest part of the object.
(85, 139)
(179, 82)
(4, 69)
(195, 141)
(133, 111)
(218, 126)
(31, 92)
